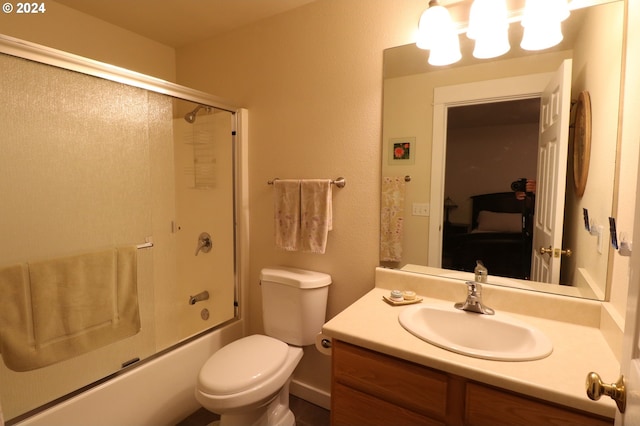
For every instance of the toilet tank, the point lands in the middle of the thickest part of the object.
(294, 303)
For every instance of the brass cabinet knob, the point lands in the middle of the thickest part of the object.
(555, 252)
(617, 392)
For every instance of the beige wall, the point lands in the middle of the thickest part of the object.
(63, 28)
(596, 77)
(486, 159)
(627, 161)
(312, 81)
(314, 95)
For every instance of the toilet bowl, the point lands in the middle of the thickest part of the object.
(247, 381)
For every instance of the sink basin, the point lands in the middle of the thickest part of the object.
(496, 337)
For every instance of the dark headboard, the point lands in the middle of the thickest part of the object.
(499, 202)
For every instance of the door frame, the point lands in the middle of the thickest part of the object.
(480, 92)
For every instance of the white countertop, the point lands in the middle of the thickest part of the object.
(560, 378)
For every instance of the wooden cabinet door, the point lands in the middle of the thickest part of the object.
(486, 406)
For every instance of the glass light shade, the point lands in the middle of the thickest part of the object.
(543, 36)
(489, 27)
(435, 24)
(446, 52)
(492, 44)
(542, 23)
(487, 16)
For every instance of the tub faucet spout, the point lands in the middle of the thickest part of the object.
(474, 300)
(198, 297)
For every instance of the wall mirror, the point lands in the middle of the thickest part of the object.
(466, 135)
(97, 158)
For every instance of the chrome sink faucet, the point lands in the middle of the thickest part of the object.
(480, 272)
(474, 300)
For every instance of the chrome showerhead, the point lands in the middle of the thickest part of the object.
(191, 116)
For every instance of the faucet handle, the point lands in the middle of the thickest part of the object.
(473, 287)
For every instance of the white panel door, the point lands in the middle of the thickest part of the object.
(552, 170)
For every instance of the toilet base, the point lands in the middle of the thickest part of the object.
(274, 413)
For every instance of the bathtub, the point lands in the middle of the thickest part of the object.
(159, 392)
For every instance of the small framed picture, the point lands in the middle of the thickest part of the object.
(402, 151)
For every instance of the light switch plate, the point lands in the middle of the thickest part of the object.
(420, 209)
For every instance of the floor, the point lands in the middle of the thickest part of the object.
(307, 414)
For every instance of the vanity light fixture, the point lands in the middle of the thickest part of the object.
(542, 23)
(437, 33)
(489, 27)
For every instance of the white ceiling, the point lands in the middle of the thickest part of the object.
(179, 22)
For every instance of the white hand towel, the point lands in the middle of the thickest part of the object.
(286, 208)
(316, 214)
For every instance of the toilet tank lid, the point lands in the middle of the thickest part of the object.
(294, 277)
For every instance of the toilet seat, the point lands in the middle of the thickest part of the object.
(243, 364)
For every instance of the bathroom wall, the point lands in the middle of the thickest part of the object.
(626, 162)
(474, 168)
(312, 79)
(604, 89)
(61, 27)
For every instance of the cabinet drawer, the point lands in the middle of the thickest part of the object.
(486, 406)
(350, 407)
(399, 382)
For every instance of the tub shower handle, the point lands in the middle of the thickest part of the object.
(204, 243)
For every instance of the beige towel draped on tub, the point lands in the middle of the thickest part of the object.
(57, 309)
(391, 219)
(303, 214)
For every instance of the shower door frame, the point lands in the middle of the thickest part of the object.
(64, 60)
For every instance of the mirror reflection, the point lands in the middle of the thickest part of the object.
(465, 142)
(91, 169)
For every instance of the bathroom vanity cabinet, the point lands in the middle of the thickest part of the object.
(372, 388)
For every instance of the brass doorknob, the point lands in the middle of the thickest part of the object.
(617, 391)
(566, 252)
(544, 250)
(555, 252)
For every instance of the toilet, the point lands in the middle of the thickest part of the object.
(247, 381)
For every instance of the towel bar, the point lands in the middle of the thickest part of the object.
(338, 182)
